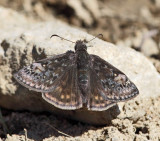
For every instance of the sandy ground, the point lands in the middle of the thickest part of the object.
(44, 126)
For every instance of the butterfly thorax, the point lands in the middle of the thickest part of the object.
(82, 67)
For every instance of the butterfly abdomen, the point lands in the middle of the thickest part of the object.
(83, 71)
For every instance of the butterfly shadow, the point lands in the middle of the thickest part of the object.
(72, 123)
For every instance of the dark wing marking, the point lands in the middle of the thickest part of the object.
(96, 102)
(41, 75)
(66, 94)
(113, 84)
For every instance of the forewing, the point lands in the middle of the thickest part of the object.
(41, 75)
(66, 94)
(114, 84)
(96, 102)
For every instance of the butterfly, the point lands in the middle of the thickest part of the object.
(74, 80)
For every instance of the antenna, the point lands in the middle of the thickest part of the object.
(96, 37)
(61, 38)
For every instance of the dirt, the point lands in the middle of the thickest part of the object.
(44, 126)
(122, 23)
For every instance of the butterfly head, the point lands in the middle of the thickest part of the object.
(80, 45)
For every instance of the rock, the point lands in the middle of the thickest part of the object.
(31, 41)
(157, 2)
(93, 7)
(142, 41)
(81, 13)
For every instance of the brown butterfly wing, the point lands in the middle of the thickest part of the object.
(66, 94)
(112, 84)
(96, 102)
(41, 75)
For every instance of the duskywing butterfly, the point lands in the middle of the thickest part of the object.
(77, 79)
